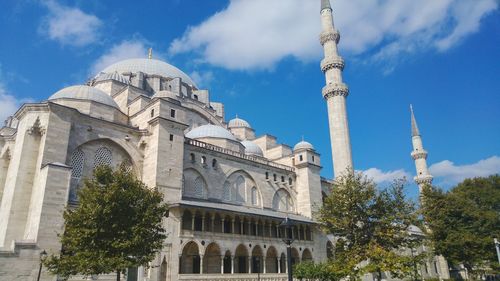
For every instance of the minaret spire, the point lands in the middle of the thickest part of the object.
(335, 93)
(419, 155)
(414, 126)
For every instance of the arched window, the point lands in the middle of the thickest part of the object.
(255, 199)
(103, 156)
(192, 157)
(214, 163)
(282, 201)
(77, 162)
(290, 181)
(199, 187)
(194, 185)
(240, 189)
(226, 192)
(203, 160)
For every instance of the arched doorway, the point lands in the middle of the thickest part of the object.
(295, 256)
(190, 259)
(241, 259)
(227, 262)
(282, 263)
(272, 262)
(257, 266)
(307, 256)
(212, 259)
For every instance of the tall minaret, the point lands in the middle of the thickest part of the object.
(335, 93)
(419, 154)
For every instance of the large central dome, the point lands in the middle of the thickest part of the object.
(149, 66)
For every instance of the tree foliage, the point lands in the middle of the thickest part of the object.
(371, 226)
(117, 225)
(309, 271)
(464, 221)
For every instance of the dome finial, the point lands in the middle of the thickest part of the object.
(150, 53)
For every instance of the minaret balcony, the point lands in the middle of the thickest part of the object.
(331, 35)
(332, 62)
(419, 154)
(423, 179)
(335, 89)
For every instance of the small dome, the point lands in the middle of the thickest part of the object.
(149, 66)
(111, 76)
(303, 145)
(83, 92)
(252, 148)
(237, 122)
(165, 94)
(210, 131)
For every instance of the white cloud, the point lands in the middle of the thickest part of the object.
(202, 79)
(380, 176)
(70, 26)
(121, 51)
(8, 103)
(449, 173)
(255, 34)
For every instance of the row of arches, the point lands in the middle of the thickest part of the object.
(236, 224)
(242, 260)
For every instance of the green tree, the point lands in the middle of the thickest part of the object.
(464, 221)
(117, 225)
(315, 272)
(371, 226)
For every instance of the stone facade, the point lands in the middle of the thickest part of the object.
(228, 189)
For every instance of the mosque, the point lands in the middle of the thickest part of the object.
(228, 188)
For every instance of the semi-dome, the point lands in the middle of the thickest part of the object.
(238, 122)
(303, 145)
(149, 66)
(210, 131)
(111, 76)
(83, 92)
(252, 148)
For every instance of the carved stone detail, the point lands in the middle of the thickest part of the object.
(326, 36)
(335, 89)
(332, 62)
(423, 179)
(419, 154)
(37, 128)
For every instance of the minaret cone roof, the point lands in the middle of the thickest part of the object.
(414, 126)
(325, 4)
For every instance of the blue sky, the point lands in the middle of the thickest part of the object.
(261, 59)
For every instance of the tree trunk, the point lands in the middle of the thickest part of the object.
(118, 275)
(379, 275)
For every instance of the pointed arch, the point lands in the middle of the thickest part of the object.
(272, 260)
(282, 201)
(190, 259)
(241, 259)
(212, 259)
(307, 256)
(194, 185)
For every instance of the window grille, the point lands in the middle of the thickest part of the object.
(77, 162)
(103, 156)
